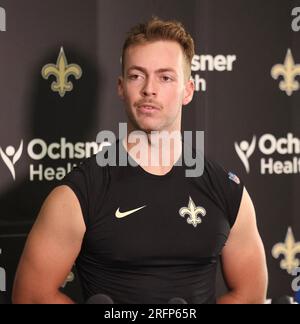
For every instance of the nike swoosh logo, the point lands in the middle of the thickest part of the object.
(125, 214)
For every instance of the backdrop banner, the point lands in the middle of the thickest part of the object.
(247, 101)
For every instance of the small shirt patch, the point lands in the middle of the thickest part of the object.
(234, 178)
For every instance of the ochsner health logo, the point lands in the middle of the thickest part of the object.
(244, 151)
(41, 154)
(279, 155)
(11, 157)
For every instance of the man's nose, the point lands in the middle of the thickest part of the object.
(149, 88)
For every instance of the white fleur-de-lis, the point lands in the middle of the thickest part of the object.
(193, 212)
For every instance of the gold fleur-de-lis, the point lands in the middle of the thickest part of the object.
(62, 70)
(289, 70)
(192, 211)
(289, 249)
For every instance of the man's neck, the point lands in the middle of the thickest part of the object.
(156, 152)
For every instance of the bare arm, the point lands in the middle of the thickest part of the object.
(243, 259)
(51, 250)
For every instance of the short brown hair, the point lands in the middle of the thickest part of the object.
(156, 29)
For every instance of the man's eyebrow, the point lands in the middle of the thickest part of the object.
(166, 70)
(139, 68)
(162, 70)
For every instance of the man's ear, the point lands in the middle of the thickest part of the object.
(188, 92)
(121, 87)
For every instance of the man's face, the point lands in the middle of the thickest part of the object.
(154, 86)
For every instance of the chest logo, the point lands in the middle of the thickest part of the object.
(192, 211)
(127, 213)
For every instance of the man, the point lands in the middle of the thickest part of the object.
(147, 234)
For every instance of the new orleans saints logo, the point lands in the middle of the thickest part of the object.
(62, 71)
(289, 249)
(289, 71)
(192, 211)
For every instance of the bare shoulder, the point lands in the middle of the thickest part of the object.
(51, 248)
(60, 223)
(246, 223)
(243, 257)
(244, 237)
(62, 209)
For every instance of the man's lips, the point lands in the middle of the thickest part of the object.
(147, 107)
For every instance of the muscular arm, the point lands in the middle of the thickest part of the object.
(243, 259)
(51, 250)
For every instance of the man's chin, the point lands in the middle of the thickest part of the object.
(147, 128)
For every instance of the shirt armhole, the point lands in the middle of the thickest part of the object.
(235, 203)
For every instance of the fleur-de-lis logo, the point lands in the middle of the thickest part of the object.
(193, 212)
(62, 71)
(289, 71)
(289, 249)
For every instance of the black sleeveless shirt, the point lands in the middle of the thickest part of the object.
(151, 238)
